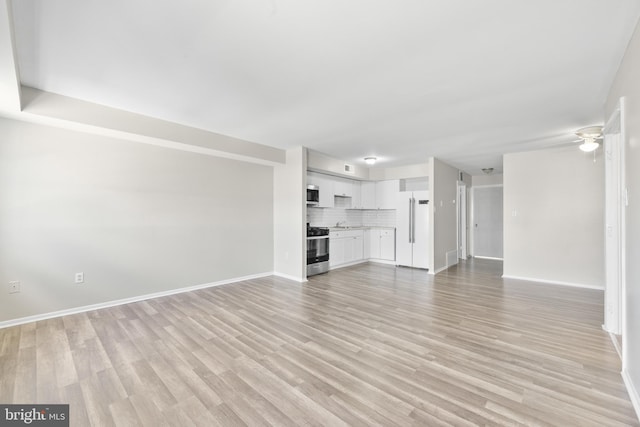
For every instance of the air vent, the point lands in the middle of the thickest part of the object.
(348, 168)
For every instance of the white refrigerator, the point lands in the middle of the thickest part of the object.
(412, 234)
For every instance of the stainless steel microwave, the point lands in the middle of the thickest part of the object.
(313, 194)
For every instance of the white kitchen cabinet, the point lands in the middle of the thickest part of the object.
(366, 244)
(386, 193)
(368, 195)
(325, 188)
(342, 187)
(382, 244)
(356, 195)
(345, 247)
(388, 244)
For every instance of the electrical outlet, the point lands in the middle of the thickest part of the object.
(14, 287)
(79, 277)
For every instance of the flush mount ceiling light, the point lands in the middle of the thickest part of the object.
(370, 160)
(488, 171)
(589, 137)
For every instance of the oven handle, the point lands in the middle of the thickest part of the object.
(317, 237)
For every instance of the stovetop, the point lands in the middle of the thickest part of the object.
(317, 231)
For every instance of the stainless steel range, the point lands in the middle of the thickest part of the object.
(317, 250)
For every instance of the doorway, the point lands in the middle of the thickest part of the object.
(615, 190)
(487, 221)
(463, 229)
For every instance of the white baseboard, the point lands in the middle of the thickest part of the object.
(82, 309)
(614, 341)
(443, 268)
(488, 257)
(554, 282)
(382, 261)
(290, 277)
(348, 264)
(633, 392)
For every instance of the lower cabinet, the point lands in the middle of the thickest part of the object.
(351, 246)
(382, 244)
(345, 247)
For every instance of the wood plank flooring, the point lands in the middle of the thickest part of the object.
(360, 346)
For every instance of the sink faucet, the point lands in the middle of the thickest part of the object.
(340, 223)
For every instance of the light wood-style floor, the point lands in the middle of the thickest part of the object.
(360, 346)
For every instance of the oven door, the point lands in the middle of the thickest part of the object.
(317, 249)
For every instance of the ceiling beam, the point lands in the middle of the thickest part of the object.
(9, 76)
(61, 111)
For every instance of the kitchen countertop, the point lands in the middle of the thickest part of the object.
(359, 227)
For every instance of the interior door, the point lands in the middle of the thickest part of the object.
(487, 222)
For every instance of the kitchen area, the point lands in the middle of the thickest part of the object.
(351, 221)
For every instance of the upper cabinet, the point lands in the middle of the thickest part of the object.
(342, 187)
(368, 195)
(386, 192)
(325, 188)
(354, 194)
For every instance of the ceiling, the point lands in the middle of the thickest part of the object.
(462, 80)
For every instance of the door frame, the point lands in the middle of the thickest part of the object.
(461, 217)
(472, 221)
(615, 228)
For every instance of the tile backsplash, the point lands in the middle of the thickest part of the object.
(329, 217)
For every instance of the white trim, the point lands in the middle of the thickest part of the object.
(290, 277)
(348, 264)
(440, 269)
(488, 257)
(633, 393)
(85, 308)
(382, 261)
(487, 185)
(614, 340)
(555, 282)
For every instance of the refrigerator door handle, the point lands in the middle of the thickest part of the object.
(410, 221)
(413, 220)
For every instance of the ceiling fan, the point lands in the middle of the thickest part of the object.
(589, 137)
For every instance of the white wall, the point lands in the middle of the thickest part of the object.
(626, 84)
(444, 189)
(320, 162)
(417, 170)
(493, 179)
(554, 216)
(290, 201)
(135, 218)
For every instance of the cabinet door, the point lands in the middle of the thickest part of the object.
(368, 195)
(325, 185)
(349, 249)
(336, 251)
(356, 195)
(387, 245)
(342, 187)
(366, 244)
(386, 192)
(358, 249)
(375, 243)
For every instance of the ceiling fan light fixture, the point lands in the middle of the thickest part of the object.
(589, 145)
(589, 136)
(487, 171)
(370, 160)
